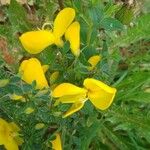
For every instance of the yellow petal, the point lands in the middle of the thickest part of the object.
(66, 89)
(4, 127)
(56, 144)
(36, 41)
(23, 65)
(11, 145)
(31, 70)
(73, 36)
(100, 94)
(5, 135)
(1, 142)
(8, 134)
(74, 108)
(62, 21)
(45, 68)
(59, 42)
(94, 60)
(14, 127)
(53, 77)
(72, 98)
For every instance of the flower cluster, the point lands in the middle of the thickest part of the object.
(36, 41)
(100, 94)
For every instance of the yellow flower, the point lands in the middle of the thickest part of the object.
(69, 93)
(31, 70)
(74, 108)
(72, 31)
(94, 60)
(56, 144)
(73, 36)
(36, 41)
(100, 94)
(9, 136)
(63, 21)
(67, 89)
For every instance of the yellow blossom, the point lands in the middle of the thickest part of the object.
(73, 36)
(94, 60)
(36, 41)
(9, 136)
(71, 30)
(67, 89)
(31, 70)
(100, 94)
(56, 143)
(74, 108)
(62, 21)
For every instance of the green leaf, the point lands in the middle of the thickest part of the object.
(137, 121)
(90, 133)
(110, 9)
(133, 84)
(17, 17)
(113, 137)
(111, 24)
(135, 33)
(4, 82)
(125, 15)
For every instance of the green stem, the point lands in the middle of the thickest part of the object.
(74, 62)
